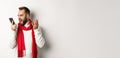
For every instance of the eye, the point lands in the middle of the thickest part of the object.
(21, 15)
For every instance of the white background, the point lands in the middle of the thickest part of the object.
(72, 28)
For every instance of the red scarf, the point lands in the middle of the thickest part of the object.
(20, 40)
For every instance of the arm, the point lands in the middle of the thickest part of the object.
(40, 41)
(12, 40)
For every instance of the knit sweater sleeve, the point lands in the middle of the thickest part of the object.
(40, 41)
(13, 39)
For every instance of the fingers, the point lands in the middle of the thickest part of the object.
(14, 27)
(36, 22)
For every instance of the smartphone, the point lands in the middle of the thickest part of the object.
(12, 21)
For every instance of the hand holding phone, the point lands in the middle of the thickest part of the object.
(14, 26)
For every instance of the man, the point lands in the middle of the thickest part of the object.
(26, 35)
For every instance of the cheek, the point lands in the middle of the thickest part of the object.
(22, 17)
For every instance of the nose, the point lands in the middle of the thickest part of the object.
(18, 16)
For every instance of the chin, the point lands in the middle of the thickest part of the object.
(21, 23)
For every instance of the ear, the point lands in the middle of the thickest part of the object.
(28, 16)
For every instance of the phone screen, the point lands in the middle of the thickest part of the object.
(12, 21)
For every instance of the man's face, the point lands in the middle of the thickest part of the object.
(22, 16)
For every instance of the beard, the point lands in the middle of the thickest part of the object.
(23, 22)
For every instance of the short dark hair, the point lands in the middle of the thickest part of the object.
(25, 8)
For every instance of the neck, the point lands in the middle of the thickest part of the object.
(25, 22)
